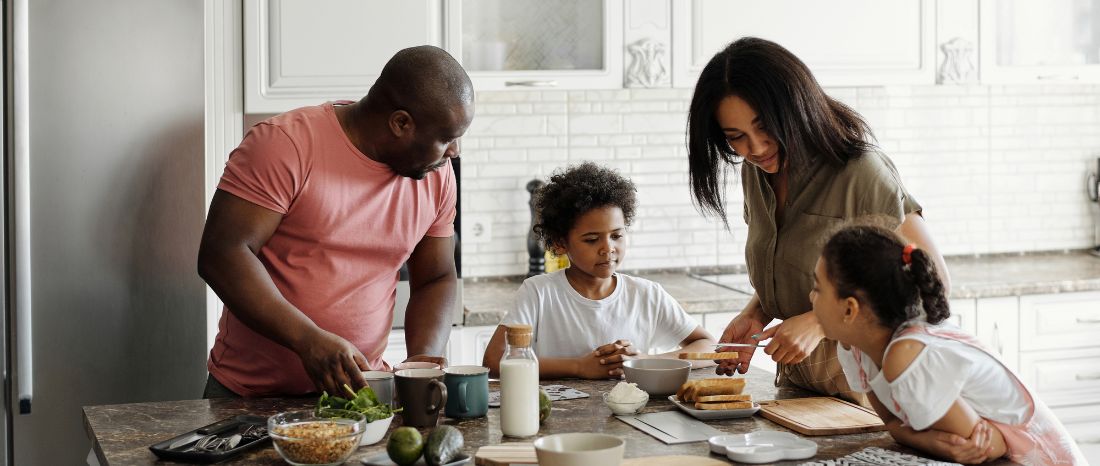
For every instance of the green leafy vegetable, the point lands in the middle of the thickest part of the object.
(364, 401)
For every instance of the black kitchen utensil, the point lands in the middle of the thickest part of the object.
(215, 442)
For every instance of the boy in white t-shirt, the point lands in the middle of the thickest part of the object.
(937, 388)
(588, 319)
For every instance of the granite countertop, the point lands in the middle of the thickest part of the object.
(487, 300)
(121, 434)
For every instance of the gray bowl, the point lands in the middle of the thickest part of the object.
(658, 377)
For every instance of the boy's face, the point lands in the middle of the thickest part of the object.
(597, 242)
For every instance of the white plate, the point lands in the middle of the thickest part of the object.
(762, 447)
(713, 414)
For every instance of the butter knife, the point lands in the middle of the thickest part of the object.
(738, 345)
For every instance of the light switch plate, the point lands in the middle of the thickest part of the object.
(477, 229)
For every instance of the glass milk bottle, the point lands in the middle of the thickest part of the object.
(519, 384)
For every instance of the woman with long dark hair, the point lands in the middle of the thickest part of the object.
(807, 163)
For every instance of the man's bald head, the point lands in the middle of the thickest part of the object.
(421, 80)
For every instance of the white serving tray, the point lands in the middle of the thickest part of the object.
(713, 414)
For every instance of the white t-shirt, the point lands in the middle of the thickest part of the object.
(944, 371)
(568, 325)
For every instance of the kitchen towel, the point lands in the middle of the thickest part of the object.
(879, 456)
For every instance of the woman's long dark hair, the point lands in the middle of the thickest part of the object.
(865, 262)
(807, 124)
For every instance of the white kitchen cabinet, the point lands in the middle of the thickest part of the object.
(1083, 424)
(844, 42)
(555, 44)
(963, 314)
(1063, 377)
(397, 351)
(474, 342)
(302, 52)
(997, 324)
(1032, 42)
(1056, 321)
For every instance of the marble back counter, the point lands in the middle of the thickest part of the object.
(487, 300)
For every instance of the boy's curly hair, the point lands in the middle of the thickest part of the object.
(575, 191)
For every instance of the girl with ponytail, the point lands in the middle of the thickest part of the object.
(936, 388)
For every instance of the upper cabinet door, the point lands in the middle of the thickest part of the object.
(553, 44)
(305, 52)
(844, 42)
(1029, 41)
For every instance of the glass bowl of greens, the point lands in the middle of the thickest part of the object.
(378, 415)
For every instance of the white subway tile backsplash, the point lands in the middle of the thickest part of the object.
(997, 168)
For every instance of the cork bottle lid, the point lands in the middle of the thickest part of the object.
(518, 334)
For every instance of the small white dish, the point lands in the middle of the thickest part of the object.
(625, 408)
(375, 431)
(762, 447)
(713, 414)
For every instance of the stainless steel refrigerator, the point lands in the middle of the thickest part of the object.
(103, 209)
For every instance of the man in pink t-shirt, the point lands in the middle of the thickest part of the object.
(315, 213)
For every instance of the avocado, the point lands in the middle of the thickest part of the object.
(544, 405)
(444, 444)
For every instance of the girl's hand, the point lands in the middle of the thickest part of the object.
(794, 339)
(740, 330)
(976, 449)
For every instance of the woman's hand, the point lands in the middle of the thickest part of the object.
(794, 339)
(740, 330)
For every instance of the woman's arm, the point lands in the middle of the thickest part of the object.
(915, 229)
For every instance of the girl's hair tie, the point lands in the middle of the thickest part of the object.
(907, 253)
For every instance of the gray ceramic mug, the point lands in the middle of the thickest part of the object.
(415, 390)
(468, 387)
(382, 384)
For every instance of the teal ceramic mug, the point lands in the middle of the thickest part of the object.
(468, 387)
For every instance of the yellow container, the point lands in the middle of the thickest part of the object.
(555, 262)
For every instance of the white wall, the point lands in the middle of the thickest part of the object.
(997, 168)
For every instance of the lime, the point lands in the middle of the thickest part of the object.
(405, 445)
(544, 405)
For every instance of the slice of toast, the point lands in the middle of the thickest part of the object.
(729, 405)
(722, 398)
(713, 386)
(709, 356)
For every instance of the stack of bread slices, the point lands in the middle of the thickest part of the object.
(715, 393)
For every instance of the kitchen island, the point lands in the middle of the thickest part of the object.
(121, 434)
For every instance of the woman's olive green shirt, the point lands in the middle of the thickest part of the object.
(820, 200)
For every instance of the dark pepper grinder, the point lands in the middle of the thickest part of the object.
(537, 262)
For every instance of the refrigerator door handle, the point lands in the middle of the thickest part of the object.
(20, 182)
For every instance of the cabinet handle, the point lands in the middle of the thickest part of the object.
(1088, 320)
(532, 83)
(997, 340)
(1089, 441)
(1084, 377)
(1047, 77)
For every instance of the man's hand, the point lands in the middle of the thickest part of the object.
(740, 330)
(442, 361)
(332, 361)
(976, 449)
(794, 339)
(590, 366)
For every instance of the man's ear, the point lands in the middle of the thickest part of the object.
(401, 124)
(851, 309)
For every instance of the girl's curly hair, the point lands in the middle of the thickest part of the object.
(575, 191)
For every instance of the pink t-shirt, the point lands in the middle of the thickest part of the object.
(348, 224)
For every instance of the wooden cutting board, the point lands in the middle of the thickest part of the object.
(821, 416)
(524, 453)
(677, 460)
(505, 454)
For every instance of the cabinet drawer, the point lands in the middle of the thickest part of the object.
(1066, 320)
(1061, 378)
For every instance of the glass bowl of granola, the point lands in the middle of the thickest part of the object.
(316, 437)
